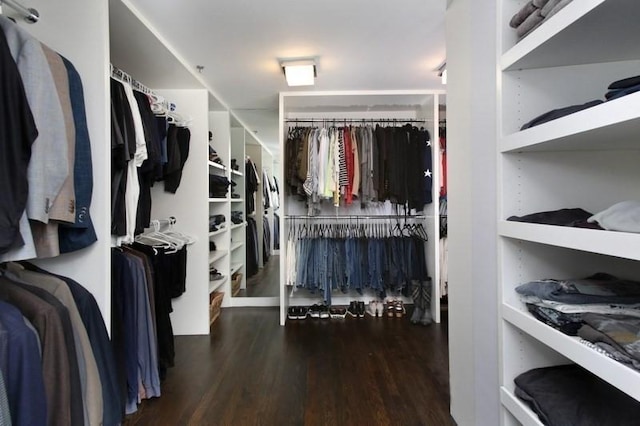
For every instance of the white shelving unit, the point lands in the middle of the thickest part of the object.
(587, 160)
(409, 104)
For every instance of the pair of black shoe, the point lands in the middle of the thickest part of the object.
(297, 313)
(319, 311)
(356, 309)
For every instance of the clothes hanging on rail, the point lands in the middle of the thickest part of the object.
(251, 185)
(94, 324)
(276, 231)
(252, 247)
(266, 240)
(144, 149)
(327, 257)
(57, 351)
(53, 215)
(341, 164)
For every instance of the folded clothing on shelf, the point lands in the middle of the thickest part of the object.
(234, 164)
(216, 222)
(617, 335)
(570, 395)
(598, 288)
(214, 157)
(559, 112)
(236, 217)
(534, 13)
(574, 217)
(623, 216)
(218, 186)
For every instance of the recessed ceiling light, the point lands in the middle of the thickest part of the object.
(299, 72)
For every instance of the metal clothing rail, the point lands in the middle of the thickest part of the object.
(354, 120)
(121, 75)
(357, 217)
(30, 15)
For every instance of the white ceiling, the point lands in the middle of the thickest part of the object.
(359, 45)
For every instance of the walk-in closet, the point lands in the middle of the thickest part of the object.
(349, 223)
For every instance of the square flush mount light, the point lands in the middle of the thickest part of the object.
(299, 73)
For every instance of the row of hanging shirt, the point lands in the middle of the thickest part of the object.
(370, 164)
(149, 143)
(377, 256)
(45, 156)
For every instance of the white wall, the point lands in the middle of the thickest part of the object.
(471, 149)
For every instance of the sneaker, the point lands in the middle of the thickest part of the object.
(302, 312)
(314, 311)
(380, 309)
(324, 311)
(399, 309)
(337, 312)
(353, 309)
(361, 309)
(372, 308)
(292, 313)
(391, 308)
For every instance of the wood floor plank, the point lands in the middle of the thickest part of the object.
(251, 371)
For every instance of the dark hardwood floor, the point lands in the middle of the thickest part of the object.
(355, 372)
(266, 283)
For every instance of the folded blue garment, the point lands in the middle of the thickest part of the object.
(598, 288)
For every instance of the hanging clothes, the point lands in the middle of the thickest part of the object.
(51, 170)
(252, 247)
(266, 240)
(364, 164)
(251, 185)
(113, 410)
(323, 258)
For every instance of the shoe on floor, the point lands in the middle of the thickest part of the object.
(292, 313)
(372, 308)
(314, 311)
(416, 315)
(353, 309)
(302, 312)
(360, 309)
(324, 311)
(337, 312)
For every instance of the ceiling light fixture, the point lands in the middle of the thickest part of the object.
(299, 72)
(442, 72)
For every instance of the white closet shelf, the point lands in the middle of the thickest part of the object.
(624, 378)
(216, 165)
(218, 200)
(518, 408)
(236, 246)
(237, 200)
(611, 125)
(238, 225)
(235, 267)
(218, 232)
(236, 173)
(215, 285)
(217, 255)
(620, 244)
(585, 31)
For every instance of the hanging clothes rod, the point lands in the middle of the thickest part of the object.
(30, 15)
(122, 76)
(355, 120)
(357, 217)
